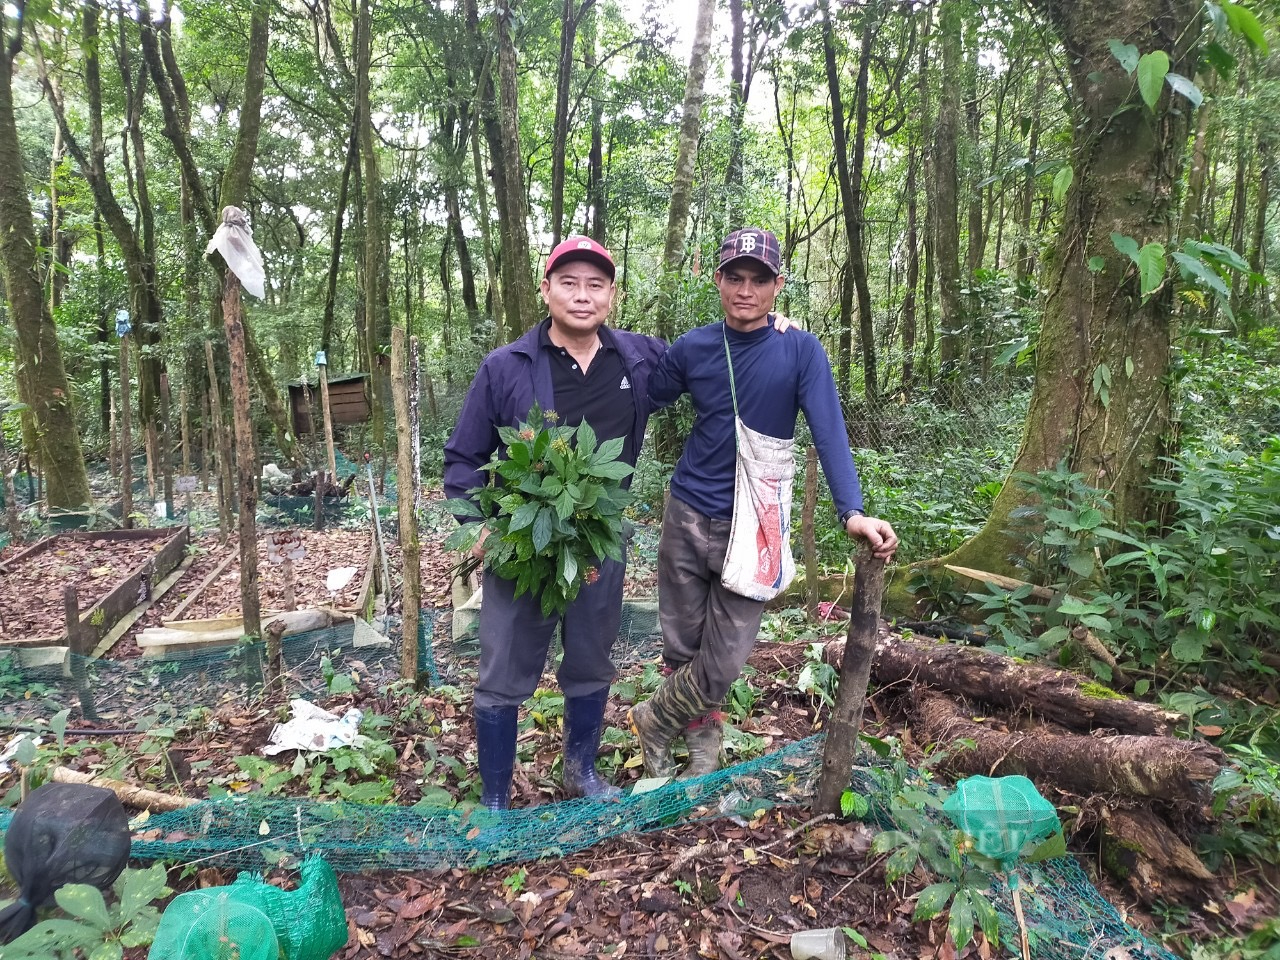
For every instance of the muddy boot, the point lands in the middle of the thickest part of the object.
(583, 724)
(496, 753)
(704, 737)
(657, 721)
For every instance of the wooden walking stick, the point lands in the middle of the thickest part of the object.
(855, 673)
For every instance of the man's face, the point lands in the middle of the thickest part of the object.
(747, 291)
(579, 296)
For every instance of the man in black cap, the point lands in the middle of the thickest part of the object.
(708, 631)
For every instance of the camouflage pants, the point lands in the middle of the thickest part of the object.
(702, 623)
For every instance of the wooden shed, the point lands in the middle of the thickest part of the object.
(348, 402)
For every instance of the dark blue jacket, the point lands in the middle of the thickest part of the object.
(508, 382)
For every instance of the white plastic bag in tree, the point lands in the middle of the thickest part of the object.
(234, 241)
(758, 563)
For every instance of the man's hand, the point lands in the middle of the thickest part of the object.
(477, 549)
(782, 324)
(878, 533)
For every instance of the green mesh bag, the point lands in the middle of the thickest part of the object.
(1006, 816)
(308, 923)
(212, 925)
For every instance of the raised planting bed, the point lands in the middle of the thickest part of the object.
(209, 613)
(70, 590)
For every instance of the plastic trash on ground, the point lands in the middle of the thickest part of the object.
(315, 730)
(62, 833)
(253, 920)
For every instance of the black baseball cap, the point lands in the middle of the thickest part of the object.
(752, 243)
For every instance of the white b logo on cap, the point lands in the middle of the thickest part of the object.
(747, 244)
(584, 244)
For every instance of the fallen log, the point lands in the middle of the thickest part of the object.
(1140, 850)
(1051, 694)
(1135, 766)
(139, 798)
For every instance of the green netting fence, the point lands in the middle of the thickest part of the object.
(1067, 917)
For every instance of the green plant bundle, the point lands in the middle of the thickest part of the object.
(554, 510)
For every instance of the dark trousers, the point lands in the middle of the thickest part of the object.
(702, 622)
(515, 637)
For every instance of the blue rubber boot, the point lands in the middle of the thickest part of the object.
(583, 724)
(496, 753)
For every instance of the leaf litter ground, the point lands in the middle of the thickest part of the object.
(712, 889)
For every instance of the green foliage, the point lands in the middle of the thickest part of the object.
(94, 929)
(554, 510)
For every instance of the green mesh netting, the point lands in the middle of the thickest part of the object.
(1005, 816)
(227, 923)
(1068, 918)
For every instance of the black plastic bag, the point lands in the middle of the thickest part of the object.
(62, 833)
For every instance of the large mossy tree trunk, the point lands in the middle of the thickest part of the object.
(42, 380)
(1098, 330)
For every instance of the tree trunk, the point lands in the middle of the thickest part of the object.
(335, 251)
(1026, 246)
(246, 459)
(737, 109)
(410, 551)
(945, 202)
(912, 281)
(1126, 163)
(686, 159)
(569, 20)
(597, 190)
(44, 388)
(1192, 224)
(851, 202)
(376, 293)
(518, 289)
(1055, 695)
(1157, 767)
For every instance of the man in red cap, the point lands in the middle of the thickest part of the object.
(574, 364)
(732, 370)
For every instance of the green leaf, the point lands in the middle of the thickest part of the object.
(1188, 649)
(1097, 264)
(1152, 69)
(1128, 367)
(901, 863)
(1187, 88)
(86, 902)
(542, 529)
(1242, 21)
(461, 507)
(524, 517)
(1193, 268)
(960, 922)
(586, 440)
(853, 805)
(1126, 53)
(609, 450)
(568, 567)
(1126, 245)
(933, 900)
(1220, 58)
(614, 470)
(137, 888)
(988, 919)
(1051, 849)
(1062, 182)
(107, 951)
(1151, 268)
(1081, 564)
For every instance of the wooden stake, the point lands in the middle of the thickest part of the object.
(185, 425)
(206, 445)
(126, 439)
(808, 532)
(321, 482)
(220, 441)
(328, 421)
(246, 461)
(855, 673)
(10, 495)
(113, 445)
(166, 446)
(410, 551)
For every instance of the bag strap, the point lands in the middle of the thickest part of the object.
(733, 390)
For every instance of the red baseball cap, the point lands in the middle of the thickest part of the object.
(580, 248)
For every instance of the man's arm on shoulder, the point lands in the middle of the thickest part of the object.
(667, 381)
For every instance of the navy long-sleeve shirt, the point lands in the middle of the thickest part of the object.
(776, 378)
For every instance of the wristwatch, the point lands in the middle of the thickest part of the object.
(844, 517)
